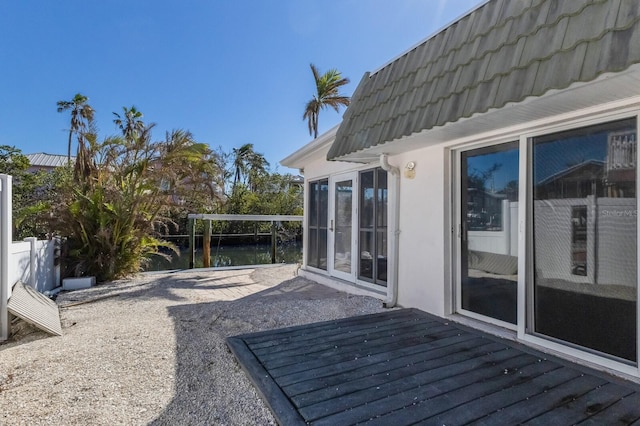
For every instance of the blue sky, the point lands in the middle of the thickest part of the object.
(230, 71)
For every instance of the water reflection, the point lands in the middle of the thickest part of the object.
(233, 255)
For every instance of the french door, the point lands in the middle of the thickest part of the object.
(487, 284)
(342, 217)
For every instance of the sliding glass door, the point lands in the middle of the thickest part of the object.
(583, 190)
(488, 232)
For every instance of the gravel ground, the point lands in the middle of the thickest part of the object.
(152, 350)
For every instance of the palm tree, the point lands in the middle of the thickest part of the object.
(81, 116)
(249, 164)
(257, 166)
(327, 86)
(240, 159)
(130, 122)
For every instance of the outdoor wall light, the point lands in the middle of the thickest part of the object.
(410, 170)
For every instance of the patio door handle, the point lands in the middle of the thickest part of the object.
(331, 226)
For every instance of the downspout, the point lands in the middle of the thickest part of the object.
(392, 285)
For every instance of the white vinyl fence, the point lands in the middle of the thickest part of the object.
(31, 261)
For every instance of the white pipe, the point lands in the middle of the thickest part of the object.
(394, 200)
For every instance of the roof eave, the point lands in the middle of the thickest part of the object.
(298, 159)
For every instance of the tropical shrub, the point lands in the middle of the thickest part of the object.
(117, 204)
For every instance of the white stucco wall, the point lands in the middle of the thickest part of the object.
(422, 257)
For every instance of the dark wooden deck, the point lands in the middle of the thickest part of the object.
(408, 367)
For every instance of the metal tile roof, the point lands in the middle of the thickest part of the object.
(501, 52)
(42, 159)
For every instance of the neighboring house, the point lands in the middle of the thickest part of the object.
(498, 104)
(47, 162)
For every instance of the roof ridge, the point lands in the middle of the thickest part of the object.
(46, 153)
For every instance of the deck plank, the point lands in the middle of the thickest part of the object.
(386, 362)
(301, 338)
(287, 332)
(351, 337)
(624, 412)
(407, 367)
(380, 400)
(540, 404)
(583, 406)
(315, 358)
(371, 377)
(457, 399)
(494, 402)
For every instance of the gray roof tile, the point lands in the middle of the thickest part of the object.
(504, 51)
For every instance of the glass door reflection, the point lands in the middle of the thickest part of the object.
(585, 238)
(343, 224)
(489, 232)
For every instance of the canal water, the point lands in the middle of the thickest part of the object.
(232, 255)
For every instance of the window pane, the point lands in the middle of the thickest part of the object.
(313, 203)
(366, 254)
(381, 257)
(382, 198)
(366, 199)
(322, 248)
(323, 204)
(312, 248)
(585, 236)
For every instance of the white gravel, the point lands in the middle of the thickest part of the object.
(152, 350)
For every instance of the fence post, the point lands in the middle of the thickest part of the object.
(206, 245)
(32, 261)
(192, 243)
(6, 237)
(273, 241)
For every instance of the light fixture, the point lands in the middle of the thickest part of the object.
(410, 170)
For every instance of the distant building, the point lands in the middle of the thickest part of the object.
(48, 162)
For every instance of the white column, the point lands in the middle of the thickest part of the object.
(6, 236)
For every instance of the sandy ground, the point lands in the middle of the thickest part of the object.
(152, 350)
